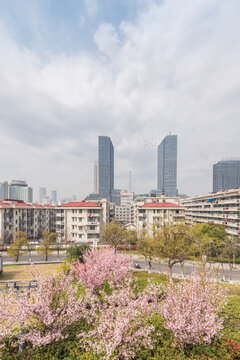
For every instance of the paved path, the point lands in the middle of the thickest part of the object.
(189, 267)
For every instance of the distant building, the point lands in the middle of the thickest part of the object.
(42, 193)
(54, 197)
(19, 190)
(105, 166)
(226, 175)
(115, 196)
(126, 197)
(167, 166)
(46, 200)
(4, 190)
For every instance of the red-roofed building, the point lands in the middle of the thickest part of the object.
(32, 219)
(159, 213)
(79, 222)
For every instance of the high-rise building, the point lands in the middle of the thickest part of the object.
(42, 193)
(96, 178)
(4, 190)
(226, 175)
(167, 166)
(54, 196)
(19, 190)
(105, 166)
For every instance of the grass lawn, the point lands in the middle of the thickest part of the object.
(25, 272)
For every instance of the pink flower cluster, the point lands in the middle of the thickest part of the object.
(101, 265)
(122, 326)
(191, 310)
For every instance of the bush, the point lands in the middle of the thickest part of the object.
(76, 252)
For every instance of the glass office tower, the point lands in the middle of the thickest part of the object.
(167, 166)
(105, 166)
(226, 175)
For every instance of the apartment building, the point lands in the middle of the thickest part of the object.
(222, 207)
(32, 219)
(79, 222)
(124, 214)
(158, 214)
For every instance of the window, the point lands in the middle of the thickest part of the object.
(80, 236)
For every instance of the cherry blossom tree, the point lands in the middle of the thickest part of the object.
(122, 325)
(191, 310)
(101, 265)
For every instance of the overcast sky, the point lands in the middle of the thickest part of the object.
(134, 70)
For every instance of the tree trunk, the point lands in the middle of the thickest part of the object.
(170, 266)
(182, 268)
(231, 269)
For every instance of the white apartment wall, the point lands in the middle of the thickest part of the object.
(79, 224)
(222, 207)
(159, 216)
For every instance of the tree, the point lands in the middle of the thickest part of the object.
(101, 265)
(147, 246)
(191, 310)
(230, 250)
(175, 243)
(76, 252)
(132, 237)
(211, 238)
(17, 248)
(46, 247)
(114, 235)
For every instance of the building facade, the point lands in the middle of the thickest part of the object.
(158, 214)
(222, 207)
(79, 222)
(19, 190)
(226, 175)
(167, 166)
(32, 219)
(4, 190)
(105, 166)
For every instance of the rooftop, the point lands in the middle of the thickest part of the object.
(80, 204)
(155, 204)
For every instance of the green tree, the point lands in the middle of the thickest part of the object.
(147, 246)
(18, 246)
(76, 252)
(46, 247)
(114, 235)
(132, 237)
(211, 238)
(230, 250)
(175, 243)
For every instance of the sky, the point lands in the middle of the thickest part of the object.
(134, 70)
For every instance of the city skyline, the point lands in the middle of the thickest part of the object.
(116, 68)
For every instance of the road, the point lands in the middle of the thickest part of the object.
(189, 268)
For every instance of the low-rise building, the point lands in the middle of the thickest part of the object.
(79, 222)
(222, 207)
(32, 219)
(158, 214)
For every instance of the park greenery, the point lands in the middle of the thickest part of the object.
(101, 310)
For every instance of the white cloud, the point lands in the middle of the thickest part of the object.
(175, 69)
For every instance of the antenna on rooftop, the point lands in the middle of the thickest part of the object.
(130, 181)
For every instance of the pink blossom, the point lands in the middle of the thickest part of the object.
(191, 310)
(101, 265)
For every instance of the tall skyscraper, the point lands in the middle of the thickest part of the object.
(167, 166)
(105, 166)
(42, 193)
(96, 178)
(226, 175)
(54, 196)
